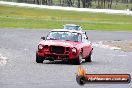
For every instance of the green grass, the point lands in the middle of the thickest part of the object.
(22, 17)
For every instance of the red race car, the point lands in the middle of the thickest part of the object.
(61, 44)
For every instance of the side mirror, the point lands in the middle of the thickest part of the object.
(87, 38)
(43, 38)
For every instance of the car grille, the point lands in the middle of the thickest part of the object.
(57, 49)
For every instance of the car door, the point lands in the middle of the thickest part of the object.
(86, 47)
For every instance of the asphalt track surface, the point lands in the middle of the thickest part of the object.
(21, 70)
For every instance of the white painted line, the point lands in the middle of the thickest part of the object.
(3, 60)
(109, 11)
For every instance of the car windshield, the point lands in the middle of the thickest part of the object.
(61, 35)
(71, 27)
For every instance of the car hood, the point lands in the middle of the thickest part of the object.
(60, 43)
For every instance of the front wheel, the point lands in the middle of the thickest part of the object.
(78, 61)
(88, 59)
(39, 59)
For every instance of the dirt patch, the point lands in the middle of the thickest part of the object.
(124, 45)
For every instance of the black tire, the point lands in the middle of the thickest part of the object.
(39, 59)
(88, 59)
(78, 61)
(51, 60)
(81, 80)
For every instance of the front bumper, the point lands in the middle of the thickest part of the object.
(54, 56)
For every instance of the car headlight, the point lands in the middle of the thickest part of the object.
(74, 50)
(40, 46)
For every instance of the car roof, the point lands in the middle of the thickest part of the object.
(81, 32)
(71, 25)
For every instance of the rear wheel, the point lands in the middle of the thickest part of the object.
(39, 59)
(88, 59)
